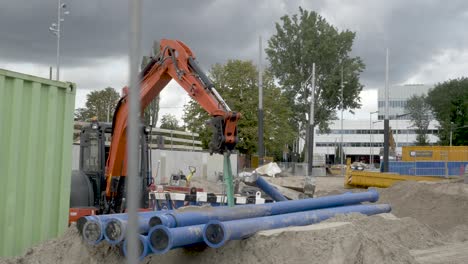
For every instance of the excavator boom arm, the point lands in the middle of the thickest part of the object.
(175, 61)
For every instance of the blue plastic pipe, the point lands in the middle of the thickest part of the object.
(216, 233)
(270, 190)
(92, 227)
(143, 247)
(161, 239)
(205, 214)
(115, 229)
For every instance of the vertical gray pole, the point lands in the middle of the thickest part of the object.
(133, 131)
(260, 104)
(108, 112)
(370, 139)
(310, 149)
(57, 75)
(451, 133)
(50, 73)
(342, 106)
(386, 120)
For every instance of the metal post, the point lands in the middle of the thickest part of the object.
(108, 112)
(227, 173)
(371, 162)
(371, 158)
(50, 73)
(451, 132)
(133, 128)
(386, 121)
(59, 12)
(260, 104)
(342, 104)
(396, 138)
(310, 148)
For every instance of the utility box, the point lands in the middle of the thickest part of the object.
(36, 129)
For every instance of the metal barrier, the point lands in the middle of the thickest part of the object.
(440, 161)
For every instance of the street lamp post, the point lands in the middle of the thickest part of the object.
(451, 132)
(311, 116)
(372, 141)
(56, 30)
(342, 106)
(370, 136)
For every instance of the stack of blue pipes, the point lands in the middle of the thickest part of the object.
(161, 231)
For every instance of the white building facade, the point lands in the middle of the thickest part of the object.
(363, 139)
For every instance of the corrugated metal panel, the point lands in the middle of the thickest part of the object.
(36, 122)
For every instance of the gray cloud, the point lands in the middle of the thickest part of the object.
(96, 30)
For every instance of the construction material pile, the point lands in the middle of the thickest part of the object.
(162, 231)
(429, 226)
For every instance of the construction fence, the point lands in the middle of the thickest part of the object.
(440, 161)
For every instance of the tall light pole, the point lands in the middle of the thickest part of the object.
(372, 141)
(451, 132)
(304, 85)
(342, 106)
(260, 104)
(386, 120)
(56, 30)
(310, 156)
(370, 137)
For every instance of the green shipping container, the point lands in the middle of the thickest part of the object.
(36, 122)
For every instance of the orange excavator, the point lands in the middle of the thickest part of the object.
(175, 61)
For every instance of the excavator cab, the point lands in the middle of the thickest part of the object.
(88, 184)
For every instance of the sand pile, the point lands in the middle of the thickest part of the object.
(430, 226)
(344, 239)
(69, 249)
(443, 206)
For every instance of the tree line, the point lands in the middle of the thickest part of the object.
(299, 41)
(447, 103)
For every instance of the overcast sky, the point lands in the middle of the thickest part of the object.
(427, 38)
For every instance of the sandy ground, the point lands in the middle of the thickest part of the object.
(428, 224)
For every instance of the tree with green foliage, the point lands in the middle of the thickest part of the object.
(169, 121)
(81, 114)
(237, 82)
(100, 104)
(449, 103)
(420, 115)
(306, 38)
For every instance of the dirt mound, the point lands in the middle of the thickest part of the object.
(341, 240)
(70, 249)
(429, 227)
(442, 206)
(345, 239)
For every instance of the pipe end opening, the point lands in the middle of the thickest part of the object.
(113, 231)
(154, 221)
(92, 232)
(214, 233)
(159, 240)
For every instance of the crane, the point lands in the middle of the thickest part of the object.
(175, 61)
